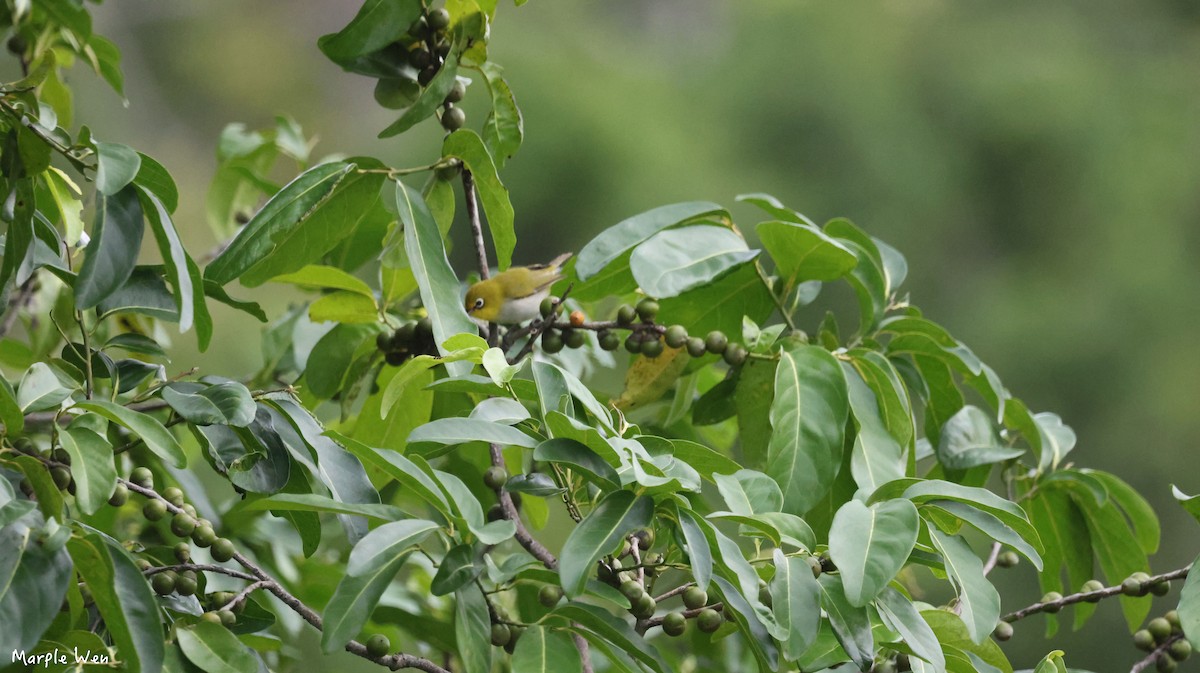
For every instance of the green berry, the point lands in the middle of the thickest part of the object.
(1172, 616)
(500, 635)
(426, 76)
(633, 343)
(1160, 628)
(552, 342)
(183, 552)
(547, 306)
(1092, 586)
(645, 538)
(632, 590)
(1160, 588)
(185, 584)
(495, 477)
(227, 617)
(191, 511)
(453, 118)
(626, 314)
(61, 477)
(1003, 631)
(1180, 649)
(222, 550)
(378, 645)
(142, 564)
(163, 583)
(647, 309)
(120, 496)
(676, 336)
(211, 617)
(419, 28)
(734, 355)
(574, 338)
(403, 337)
(383, 342)
(182, 524)
(1164, 663)
(204, 535)
(438, 19)
(173, 495)
(716, 342)
(643, 607)
(1008, 559)
(395, 358)
(1052, 597)
(550, 595)
(154, 510)
(1132, 587)
(26, 446)
(674, 624)
(695, 598)
(457, 92)
(652, 348)
(1143, 640)
(60, 454)
(608, 340)
(142, 476)
(709, 620)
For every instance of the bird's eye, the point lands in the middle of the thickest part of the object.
(479, 303)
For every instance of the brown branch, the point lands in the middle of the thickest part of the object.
(249, 589)
(674, 592)
(1092, 596)
(468, 180)
(992, 558)
(199, 567)
(647, 624)
(523, 537)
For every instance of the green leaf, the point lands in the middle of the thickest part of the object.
(377, 24)
(870, 545)
(344, 307)
(1052, 663)
(674, 261)
(722, 304)
(953, 635)
(1189, 607)
(618, 514)
(615, 241)
(124, 600)
(704, 460)
(33, 581)
(463, 430)
(503, 130)
(754, 389)
(969, 439)
(318, 276)
(329, 362)
(541, 650)
(312, 502)
(900, 615)
(66, 194)
(157, 438)
(460, 565)
(579, 458)
(396, 466)
(978, 601)
(175, 258)
(112, 252)
(40, 389)
(473, 629)
(877, 458)
(91, 466)
(749, 492)
(373, 564)
(881, 377)
(116, 167)
(992, 527)
(698, 550)
(1067, 544)
(796, 603)
(1117, 551)
(1141, 515)
(431, 98)
(468, 147)
(225, 403)
(154, 178)
(868, 278)
(214, 649)
(602, 625)
(440, 290)
(808, 421)
(744, 614)
(803, 252)
(10, 412)
(851, 625)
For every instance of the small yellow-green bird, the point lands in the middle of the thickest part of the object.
(514, 296)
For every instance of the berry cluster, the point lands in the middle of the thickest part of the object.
(1163, 636)
(407, 340)
(422, 50)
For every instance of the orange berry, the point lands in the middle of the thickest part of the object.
(576, 318)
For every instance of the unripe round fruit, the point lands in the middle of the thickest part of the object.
(552, 342)
(632, 590)
(453, 118)
(426, 76)
(495, 513)
(652, 348)
(204, 535)
(644, 607)
(695, 598)
(26, 446)
(438, 19)
(645, 538)
(815, 564)
(404, 335)
(626, 314)
(550, 595)
(142, 564)
(383, 342)
(1143, 640)
(378, 645)
(576, 318)
(183, 552)
(211, 617)
(457, 92)
(222, 550)
(709, 620)
(186, 585)
(1172, 616)
(647, 309)
(1003, 631)
(1164, 663)
(735, 354)
(420, 57)
(574, 338)
(1091, 586)
(1180, 649)
(1052, 597)
(154, 510)
(182, 524)
(395, 358)
(60, 454)
(173, 495)
(227, 617)
(1008, 559)
(674, 624)
(695, 347)
(120, 496)
(495, 477)
(1160, 588)
(1131, 587)
(547, 307)
(716, 342)
(676, 336)
(500, 635)
(608, 340)
(61, 477)
(163, 583)
(633, 344)
(419, 28)
(1160, 628)
(142, 476)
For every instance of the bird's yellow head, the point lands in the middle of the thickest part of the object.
(513, 296)
(485, 299)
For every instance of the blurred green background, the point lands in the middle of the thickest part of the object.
(1038, 163)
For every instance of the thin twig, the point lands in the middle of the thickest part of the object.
(493, 330)
(522, 535)
(787, 315)
(992, 557)
(249, 589)
(674, 592)
(1096, 595)
(199, 567)
(1152, 658)
(647, 624)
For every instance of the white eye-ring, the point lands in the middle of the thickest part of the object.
(479, 303)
